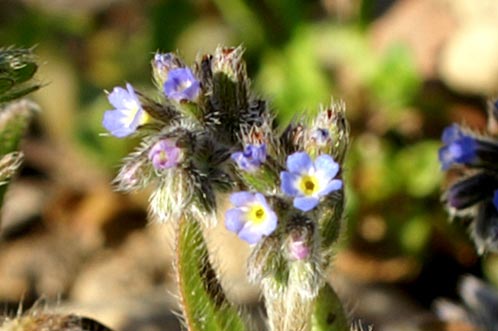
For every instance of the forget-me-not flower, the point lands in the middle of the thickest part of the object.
(128, 113)
(309, 181)
(251, 158)
(181, 85)
(459, 147)
(164, 154)
(251, 218)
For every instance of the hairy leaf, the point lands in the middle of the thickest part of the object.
(203, 302)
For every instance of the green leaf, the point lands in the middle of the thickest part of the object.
(202, 300)
(328, 314)
(6, 84)
(14, 120)
(17, 68)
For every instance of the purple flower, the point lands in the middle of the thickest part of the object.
(251, 218)
(309, 181)
(181, 85)
(459, 147)
(251, 158)
(299, 249)
(128, 113)
(164, 154)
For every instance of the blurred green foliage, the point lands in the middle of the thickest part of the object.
(17, 68)
(301, 55)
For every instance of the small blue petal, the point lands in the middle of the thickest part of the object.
(306, 203)
(250, 235)
(237, 156)
(251, 158)
(288, 183)
(239, 199)
(326, 167)
(445, 157)
(258, 197)
(467, 148)
(299, 163)
(333, 185)
(113, 122)
(181, 85)
(192, 91)
(451, 133)
(461, 151)
(117, 97)
(234, 220)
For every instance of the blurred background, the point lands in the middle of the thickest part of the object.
(405, 69)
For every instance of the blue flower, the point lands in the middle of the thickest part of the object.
(128, 113)
(471, 190)
(181, 85)
(252, 218)
(459, 147)
(251, 158)
(309, 181)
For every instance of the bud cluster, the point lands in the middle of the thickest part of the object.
(207, 134)
(473, 191)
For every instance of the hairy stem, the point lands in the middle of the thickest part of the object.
(202, 300)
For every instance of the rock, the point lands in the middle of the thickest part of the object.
(468, 61)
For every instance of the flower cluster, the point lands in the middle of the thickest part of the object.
(473, 191)
(307, 182)
(207, 133)
(183, 142)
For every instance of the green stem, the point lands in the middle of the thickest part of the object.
(202, 300)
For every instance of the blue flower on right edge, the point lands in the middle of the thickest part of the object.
(472, 192)
(459, 147)
(308, 181)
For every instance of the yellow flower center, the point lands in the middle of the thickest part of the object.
(144, 118)
(256, 214)
(308, 185)
(133, 110)
(163, 156)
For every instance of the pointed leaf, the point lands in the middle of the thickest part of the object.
(328, 313)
